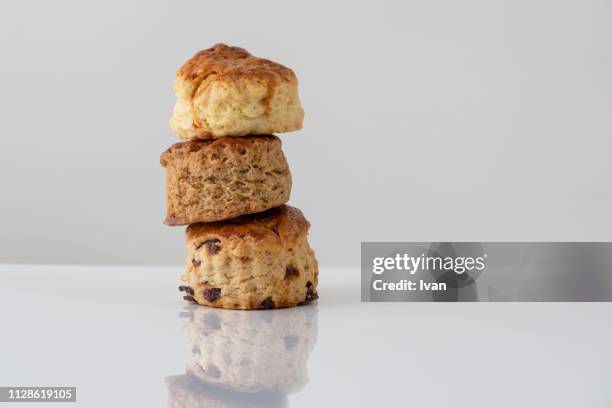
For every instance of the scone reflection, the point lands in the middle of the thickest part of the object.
(187, 392)
(242, 358)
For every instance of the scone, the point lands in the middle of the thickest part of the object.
(213, 180)
(258, 261)
(251, 352)
(225, 91)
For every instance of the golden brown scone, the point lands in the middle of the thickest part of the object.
(212, 180)
(259, 261)
(225, 91)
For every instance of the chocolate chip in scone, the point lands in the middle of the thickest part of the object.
(196, 350)
(267, 303)
(196, 263)
(311, 295)
(189, 298)
(187, 289)
(290, 272)
(212, 245)
(211, 294)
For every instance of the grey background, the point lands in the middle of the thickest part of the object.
(425, 121)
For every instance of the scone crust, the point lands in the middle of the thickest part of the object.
(219, 179)
(226, 91)
(259, 261)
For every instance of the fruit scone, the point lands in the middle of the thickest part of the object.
(213, 180)
(252, 352)
(257, 261)
(225, 91)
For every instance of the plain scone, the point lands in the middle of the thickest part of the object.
(259, 261)
(213, 180)
(225, 91)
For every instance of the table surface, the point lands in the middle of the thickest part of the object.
(124, 337)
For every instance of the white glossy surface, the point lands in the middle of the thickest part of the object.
(117, 334)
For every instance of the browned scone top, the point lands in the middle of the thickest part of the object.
(284, 223)
(225, 91)
(223, 60)
(213, 146)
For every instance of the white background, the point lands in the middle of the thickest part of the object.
(425, 121)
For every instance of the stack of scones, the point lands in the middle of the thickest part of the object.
(229, 182)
